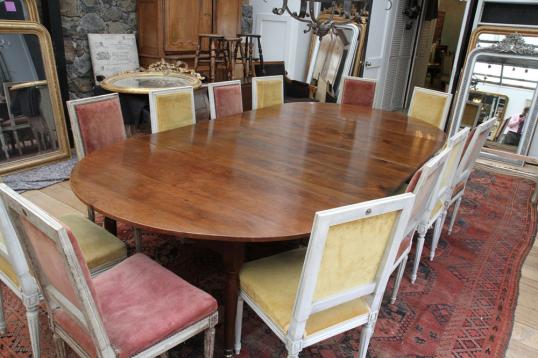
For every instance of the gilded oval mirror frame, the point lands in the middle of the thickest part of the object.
(61, 148)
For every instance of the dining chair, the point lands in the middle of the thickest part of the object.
(100, 250)
(97, 122)
(225, 98)
(267, 91)
(471, 153)
(430, 106)
(137, 308)
(435, 207)
(171, 108)
(423, 184)
(336, 284)
(357, 91)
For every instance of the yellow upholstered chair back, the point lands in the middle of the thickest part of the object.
(430, 106)
(267, 91)
(171, 108)
(350, 254)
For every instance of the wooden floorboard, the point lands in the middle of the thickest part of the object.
(59, 200)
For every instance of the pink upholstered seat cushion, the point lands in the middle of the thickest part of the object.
(142, 303)
(100, 123)
(358, 92)
(228, 100)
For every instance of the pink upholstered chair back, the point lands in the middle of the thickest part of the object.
(96, 122)
(357, 91)
(56, 259)
(225, 98)
(423, 185)
(473, 148)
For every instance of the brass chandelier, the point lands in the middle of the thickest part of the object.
(322, 27)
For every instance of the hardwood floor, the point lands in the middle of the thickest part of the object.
(58, 199)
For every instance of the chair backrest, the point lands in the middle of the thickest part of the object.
(96, 122)
(357, 91)
(171, 108)
(350, 255)
(472, 150)
(430, 106)
(56, 259)
(442, 193)
(267, 91)
(14, 271)
(424, 185)
(225, 98)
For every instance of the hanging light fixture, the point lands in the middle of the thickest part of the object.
(321, 27)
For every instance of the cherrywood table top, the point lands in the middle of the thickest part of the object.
(257, 176)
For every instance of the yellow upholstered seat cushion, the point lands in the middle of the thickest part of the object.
(429, 107)
(272, 283)
(174, 110)
(269, 93)
(99, 247)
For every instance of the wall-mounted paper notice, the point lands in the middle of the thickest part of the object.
(113, 53)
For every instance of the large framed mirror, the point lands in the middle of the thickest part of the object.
(32, 122)
(335, 55)
(501, 80)
(20, 10)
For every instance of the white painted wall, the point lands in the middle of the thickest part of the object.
(283, 38)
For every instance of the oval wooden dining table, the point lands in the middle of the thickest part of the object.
(258, 176)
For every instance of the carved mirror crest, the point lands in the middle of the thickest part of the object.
(32, 124)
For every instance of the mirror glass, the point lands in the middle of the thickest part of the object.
(501, 87)
(16, 10)
(28, 120)
(332, 58)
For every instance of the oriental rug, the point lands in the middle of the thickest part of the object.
(462, 304)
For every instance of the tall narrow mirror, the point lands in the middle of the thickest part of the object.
(32, 125)
(336, 55)
(24, 10)
(500, 81)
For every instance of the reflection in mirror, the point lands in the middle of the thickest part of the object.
(18, 10)
(332, 58)
(31, 120)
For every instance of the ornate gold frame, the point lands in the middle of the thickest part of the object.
(49, 64)
(506, 98)
(108, 83)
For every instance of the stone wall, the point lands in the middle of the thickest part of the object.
(81, 17)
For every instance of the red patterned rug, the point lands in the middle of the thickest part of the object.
(462, 304)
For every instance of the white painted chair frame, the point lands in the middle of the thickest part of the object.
(342, 87)
(89, 316)
(153, 104)
(81, 152)
(440, 193)
(429, 181)
(446, 108)
(255, 81)
(211, 94)
(465, 168)
(27, 290)
(295, 339)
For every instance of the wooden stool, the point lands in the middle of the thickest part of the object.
(215, 54)
(234, 46)
(249, 50)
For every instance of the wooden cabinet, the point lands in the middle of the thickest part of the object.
(169, 28)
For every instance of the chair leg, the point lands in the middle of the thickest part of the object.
(138, 239)
(209, 342)
(401, 270)
(60, 346)
(422, 229)
(32, 315)
(3, 325)
(366, 335)
(238, 325)
(91, 214)
(454, 214)
(437, 233)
